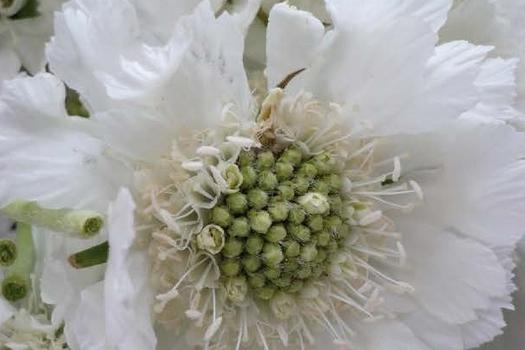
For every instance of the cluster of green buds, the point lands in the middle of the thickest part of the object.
(279, 231)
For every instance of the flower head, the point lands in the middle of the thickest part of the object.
(345, 206)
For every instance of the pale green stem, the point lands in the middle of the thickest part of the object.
(17, 283)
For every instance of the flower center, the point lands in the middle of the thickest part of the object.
(281, 227)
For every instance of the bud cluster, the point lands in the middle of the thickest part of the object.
(283, 225)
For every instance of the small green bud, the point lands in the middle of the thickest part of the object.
(249, 176)
(321, 256)
(265, 293)
(265, 160)
(246, 158)
(336, 204)
(211, 239)
(282, 305)
(307, 170)
(308, 252)
(260, 221)
(276, 233)
(233, 247)
(279, 211)
(284, 280)
(230, 267)
(257, 199)
(304, 271)
(236, 288)
(315, 222)
(290, 265)
(271, 273)
(284, 171)
(240, 227)
(314, 203)
(15, 288)
(301, 232)
(301, 185)
(324, 163)
(292, 249)
(8, 252)
(233, 177)
(323, 238)
(333, 224)
(291, 155)
(296, 215)
(321, 187)
(272, 254)
(333, 246)
(220, 215)
(267, 180)
(251, 263)
(254, 244)
(256, 280)
(334, 181)
(296, 286)
(285, 192)
(237, 203)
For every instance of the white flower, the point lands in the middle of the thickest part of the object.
(423, 207)
(25, 27)
(498, 23)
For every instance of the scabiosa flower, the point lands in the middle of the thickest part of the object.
(25, 27)
(352, 206)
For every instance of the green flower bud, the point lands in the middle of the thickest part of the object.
(233, 247)
(314, 203)
(333, 246)
(296, 215)
(279, 211)
(301, 185)
(251, 263)
(8, 252)
(323, 238)
(267, 180)
(249, 177)
(336, 204)
(321, 256)
(307, 170)
(315, 223)
(221, 216)
(257, 199)
(301, 232)
(236, 288)
(260, 221)
(254, 244)
(237, 203)
(304, 271)
(291, 155)
(230, 267)
(284, 280)
(265, 160)
(265, 293)
(333, 224)
(246, 158)
(256, 280)
(324, 163)
(211, 239)
(284, 171)
(282, 305)
(271, 273)
(290, 265)
(272, 254)
(292, 249)
(233, 177)
(285, 192)
(240, 227)
(321, 187)
(276, 233)
(334, 181)
(295, 286)
(308, 252)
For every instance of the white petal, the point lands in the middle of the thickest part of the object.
(434, 332)
(127, 292)
(292, 40)
(387, 335)
(48, 156)
(9, 63)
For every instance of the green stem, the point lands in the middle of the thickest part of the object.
(79, 223)
(95, 255)
(17, 283)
